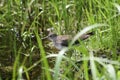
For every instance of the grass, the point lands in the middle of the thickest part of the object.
(25, 55)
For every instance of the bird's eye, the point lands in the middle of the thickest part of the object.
(50, 36)
(53, 35)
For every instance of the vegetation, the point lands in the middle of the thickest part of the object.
(25, 54)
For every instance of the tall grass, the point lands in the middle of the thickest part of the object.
(25, 55)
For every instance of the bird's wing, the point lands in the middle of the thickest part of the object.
(63, 39)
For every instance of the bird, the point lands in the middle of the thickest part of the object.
(62, 41)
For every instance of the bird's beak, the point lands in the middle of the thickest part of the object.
(45, 37)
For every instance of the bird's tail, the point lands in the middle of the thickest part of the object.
(87, 35)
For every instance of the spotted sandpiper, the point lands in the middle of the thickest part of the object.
(62, 41)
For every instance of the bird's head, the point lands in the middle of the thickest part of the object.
(52, 36)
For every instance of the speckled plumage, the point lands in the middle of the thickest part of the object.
(61, 41)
